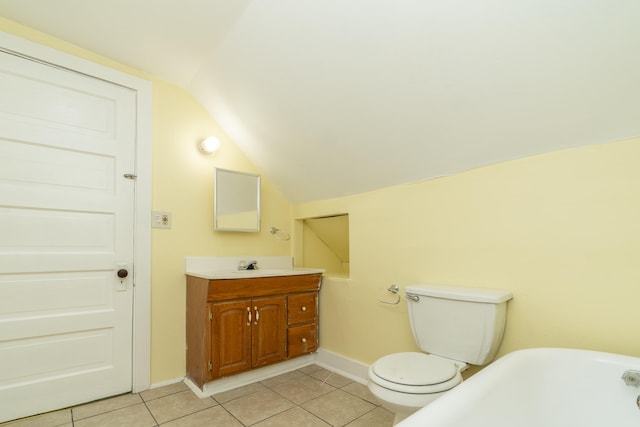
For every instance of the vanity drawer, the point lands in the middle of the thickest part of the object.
(228, 289)
(302, 308)
(302, 340)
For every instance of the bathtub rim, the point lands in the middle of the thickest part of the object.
(438, 412)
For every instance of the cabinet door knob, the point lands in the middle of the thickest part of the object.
(304, 340)
(303, 308)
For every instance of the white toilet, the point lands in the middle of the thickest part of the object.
(457, 326)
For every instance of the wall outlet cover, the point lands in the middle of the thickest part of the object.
(161, 219)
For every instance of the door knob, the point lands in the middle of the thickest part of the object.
(122, 273)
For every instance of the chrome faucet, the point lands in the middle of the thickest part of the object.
(631, 378)
(251, 265)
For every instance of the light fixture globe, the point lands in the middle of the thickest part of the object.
(209, 145)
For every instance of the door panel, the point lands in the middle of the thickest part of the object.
(269, 331)
(52, 176)
(65, 351)
(66, 222)
(56, 293)
(231, 338)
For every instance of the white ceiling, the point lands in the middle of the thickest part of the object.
(336, 97)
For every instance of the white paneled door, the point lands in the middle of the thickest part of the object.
(67, 141)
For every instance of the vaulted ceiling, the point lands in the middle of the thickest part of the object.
(336, 97)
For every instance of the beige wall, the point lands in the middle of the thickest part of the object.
(183, 184)
(562, 231)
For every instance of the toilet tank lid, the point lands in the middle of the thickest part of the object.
(461, 293)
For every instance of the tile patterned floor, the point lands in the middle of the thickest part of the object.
(308, 397)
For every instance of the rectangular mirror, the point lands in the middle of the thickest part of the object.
(236, 201)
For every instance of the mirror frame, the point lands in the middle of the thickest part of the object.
(220, 198)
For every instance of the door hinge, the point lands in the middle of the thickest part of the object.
(210, 316)
(210, 366)
(130, 176)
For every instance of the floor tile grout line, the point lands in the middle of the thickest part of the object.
(160, 397)
(376, 404)
(216, 403)
(301, 403)
(295, 405)
(73, 420)
(270, 416)
(233, 416)
(269, 389)
(314, 415)
(240, 397)
(186, 415)
(282, 412)
(366, 413)
(303, 376)
(150, 412)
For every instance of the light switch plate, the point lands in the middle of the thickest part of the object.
(161, 219)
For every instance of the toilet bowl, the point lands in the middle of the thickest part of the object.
(453, 326)
(405, 382)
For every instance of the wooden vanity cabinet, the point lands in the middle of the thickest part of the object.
(247, 334)
(235, 325)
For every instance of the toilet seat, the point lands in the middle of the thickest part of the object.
(415, 373)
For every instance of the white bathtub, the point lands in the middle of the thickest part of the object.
(540, 388)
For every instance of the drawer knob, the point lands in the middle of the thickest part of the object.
(304, 340)
(303, 308)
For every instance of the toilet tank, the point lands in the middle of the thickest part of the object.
(459, 323)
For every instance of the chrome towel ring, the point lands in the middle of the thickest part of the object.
(395, 290)
(279, 234)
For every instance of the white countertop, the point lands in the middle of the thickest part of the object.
(247, 274)
(215, 267)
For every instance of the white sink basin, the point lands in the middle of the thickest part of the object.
(266, 272)
(250, 272)
(262, 272)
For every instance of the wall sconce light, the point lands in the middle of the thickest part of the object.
(209, 145)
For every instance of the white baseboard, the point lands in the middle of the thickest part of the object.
(349, 368)
(239, 380)
(352, 369)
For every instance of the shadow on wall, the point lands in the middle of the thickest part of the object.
(326, 244)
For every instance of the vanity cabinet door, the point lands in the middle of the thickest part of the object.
(269, 339)
(247, 334)
(231, 324)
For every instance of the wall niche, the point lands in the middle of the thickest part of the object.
(325, 244)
